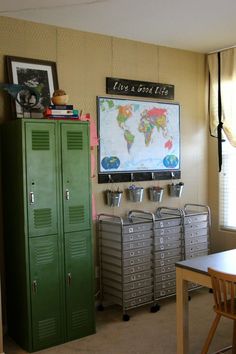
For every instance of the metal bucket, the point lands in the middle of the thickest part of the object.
(156, 194)
(136, 194)
(175, 190)
(113, 198)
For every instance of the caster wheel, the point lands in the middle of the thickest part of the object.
(189, 298)
(210, 291)
(125, 317)
(155, 308)
(100, 307)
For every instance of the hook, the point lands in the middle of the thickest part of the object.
(132, 177)
(153, 176)
(172, 175)
(109, 179)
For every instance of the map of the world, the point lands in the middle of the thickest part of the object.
(138, 135)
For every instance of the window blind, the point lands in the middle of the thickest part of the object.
(228, 187)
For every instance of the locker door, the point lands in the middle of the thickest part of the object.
(41, 174)
(46, 292)
(75, 176)
(79, 289)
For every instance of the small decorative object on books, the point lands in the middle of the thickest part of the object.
(59, 97)
(60, 109)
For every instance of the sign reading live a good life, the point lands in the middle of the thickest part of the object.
(139, 88)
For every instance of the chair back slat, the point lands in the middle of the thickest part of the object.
(224, 291)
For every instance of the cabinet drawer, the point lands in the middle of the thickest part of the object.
(167, 239)
(196, 248)
(165, 269)
(128, 227)
(196, 254)
(193, 226)
(127, 295)
(167, 261)
(168, 245)
(129, 286)
(197, 218)
(126, 278)
(127, 245)
(126, 262)
(126, 237)
(195, 232)
(195, 240)
(166, 285)
(166, 292)
(167, 231)
(165, 277)
(139, 301)
(167, 223)
(168, 254)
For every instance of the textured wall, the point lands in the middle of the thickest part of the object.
(83, 62)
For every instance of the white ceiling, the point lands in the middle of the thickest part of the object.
(196, 25)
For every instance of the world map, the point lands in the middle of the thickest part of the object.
(138, 135)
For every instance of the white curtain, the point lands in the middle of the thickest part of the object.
(226, 78)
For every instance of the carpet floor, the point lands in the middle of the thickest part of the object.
(145, 332)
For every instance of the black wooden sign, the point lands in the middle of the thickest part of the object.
(139, 88)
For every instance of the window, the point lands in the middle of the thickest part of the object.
(228, 187)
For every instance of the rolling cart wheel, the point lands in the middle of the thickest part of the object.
(100, 307)
(155, 308)
(189, 298)
(210, 291)
(125, 317)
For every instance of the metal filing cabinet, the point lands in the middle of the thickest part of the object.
(196, 231)
(125, 261)
(167, 251)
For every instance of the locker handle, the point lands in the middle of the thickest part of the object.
(35, 286)
(67, 194)
(31, 198)
(69, 278)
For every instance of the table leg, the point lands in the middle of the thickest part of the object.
(182, 313)
(1, 330)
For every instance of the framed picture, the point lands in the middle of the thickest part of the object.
(41, 75)
(138, 136)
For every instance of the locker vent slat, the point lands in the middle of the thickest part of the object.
(44, 254)
(79, 319)
(40, 140)
(74, 140)
(76, 214)
(78, 248)
(47, 329)
(42, 218)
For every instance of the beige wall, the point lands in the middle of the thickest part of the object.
(83, 62)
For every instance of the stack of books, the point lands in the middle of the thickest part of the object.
(61, 112)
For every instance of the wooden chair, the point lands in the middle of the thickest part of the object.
(224, 292)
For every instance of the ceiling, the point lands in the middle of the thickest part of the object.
(196, 25)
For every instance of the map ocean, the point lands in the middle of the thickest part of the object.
(138, 135)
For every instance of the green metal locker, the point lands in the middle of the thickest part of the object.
(47, 228)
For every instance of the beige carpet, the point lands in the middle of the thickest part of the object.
(145, 333)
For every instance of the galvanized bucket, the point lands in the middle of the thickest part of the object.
(136, 194)
(113, 198)
(175, 190)
(156, 194)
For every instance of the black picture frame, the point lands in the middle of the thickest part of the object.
(36, 73)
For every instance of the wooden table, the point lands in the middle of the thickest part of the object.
(195, 270)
